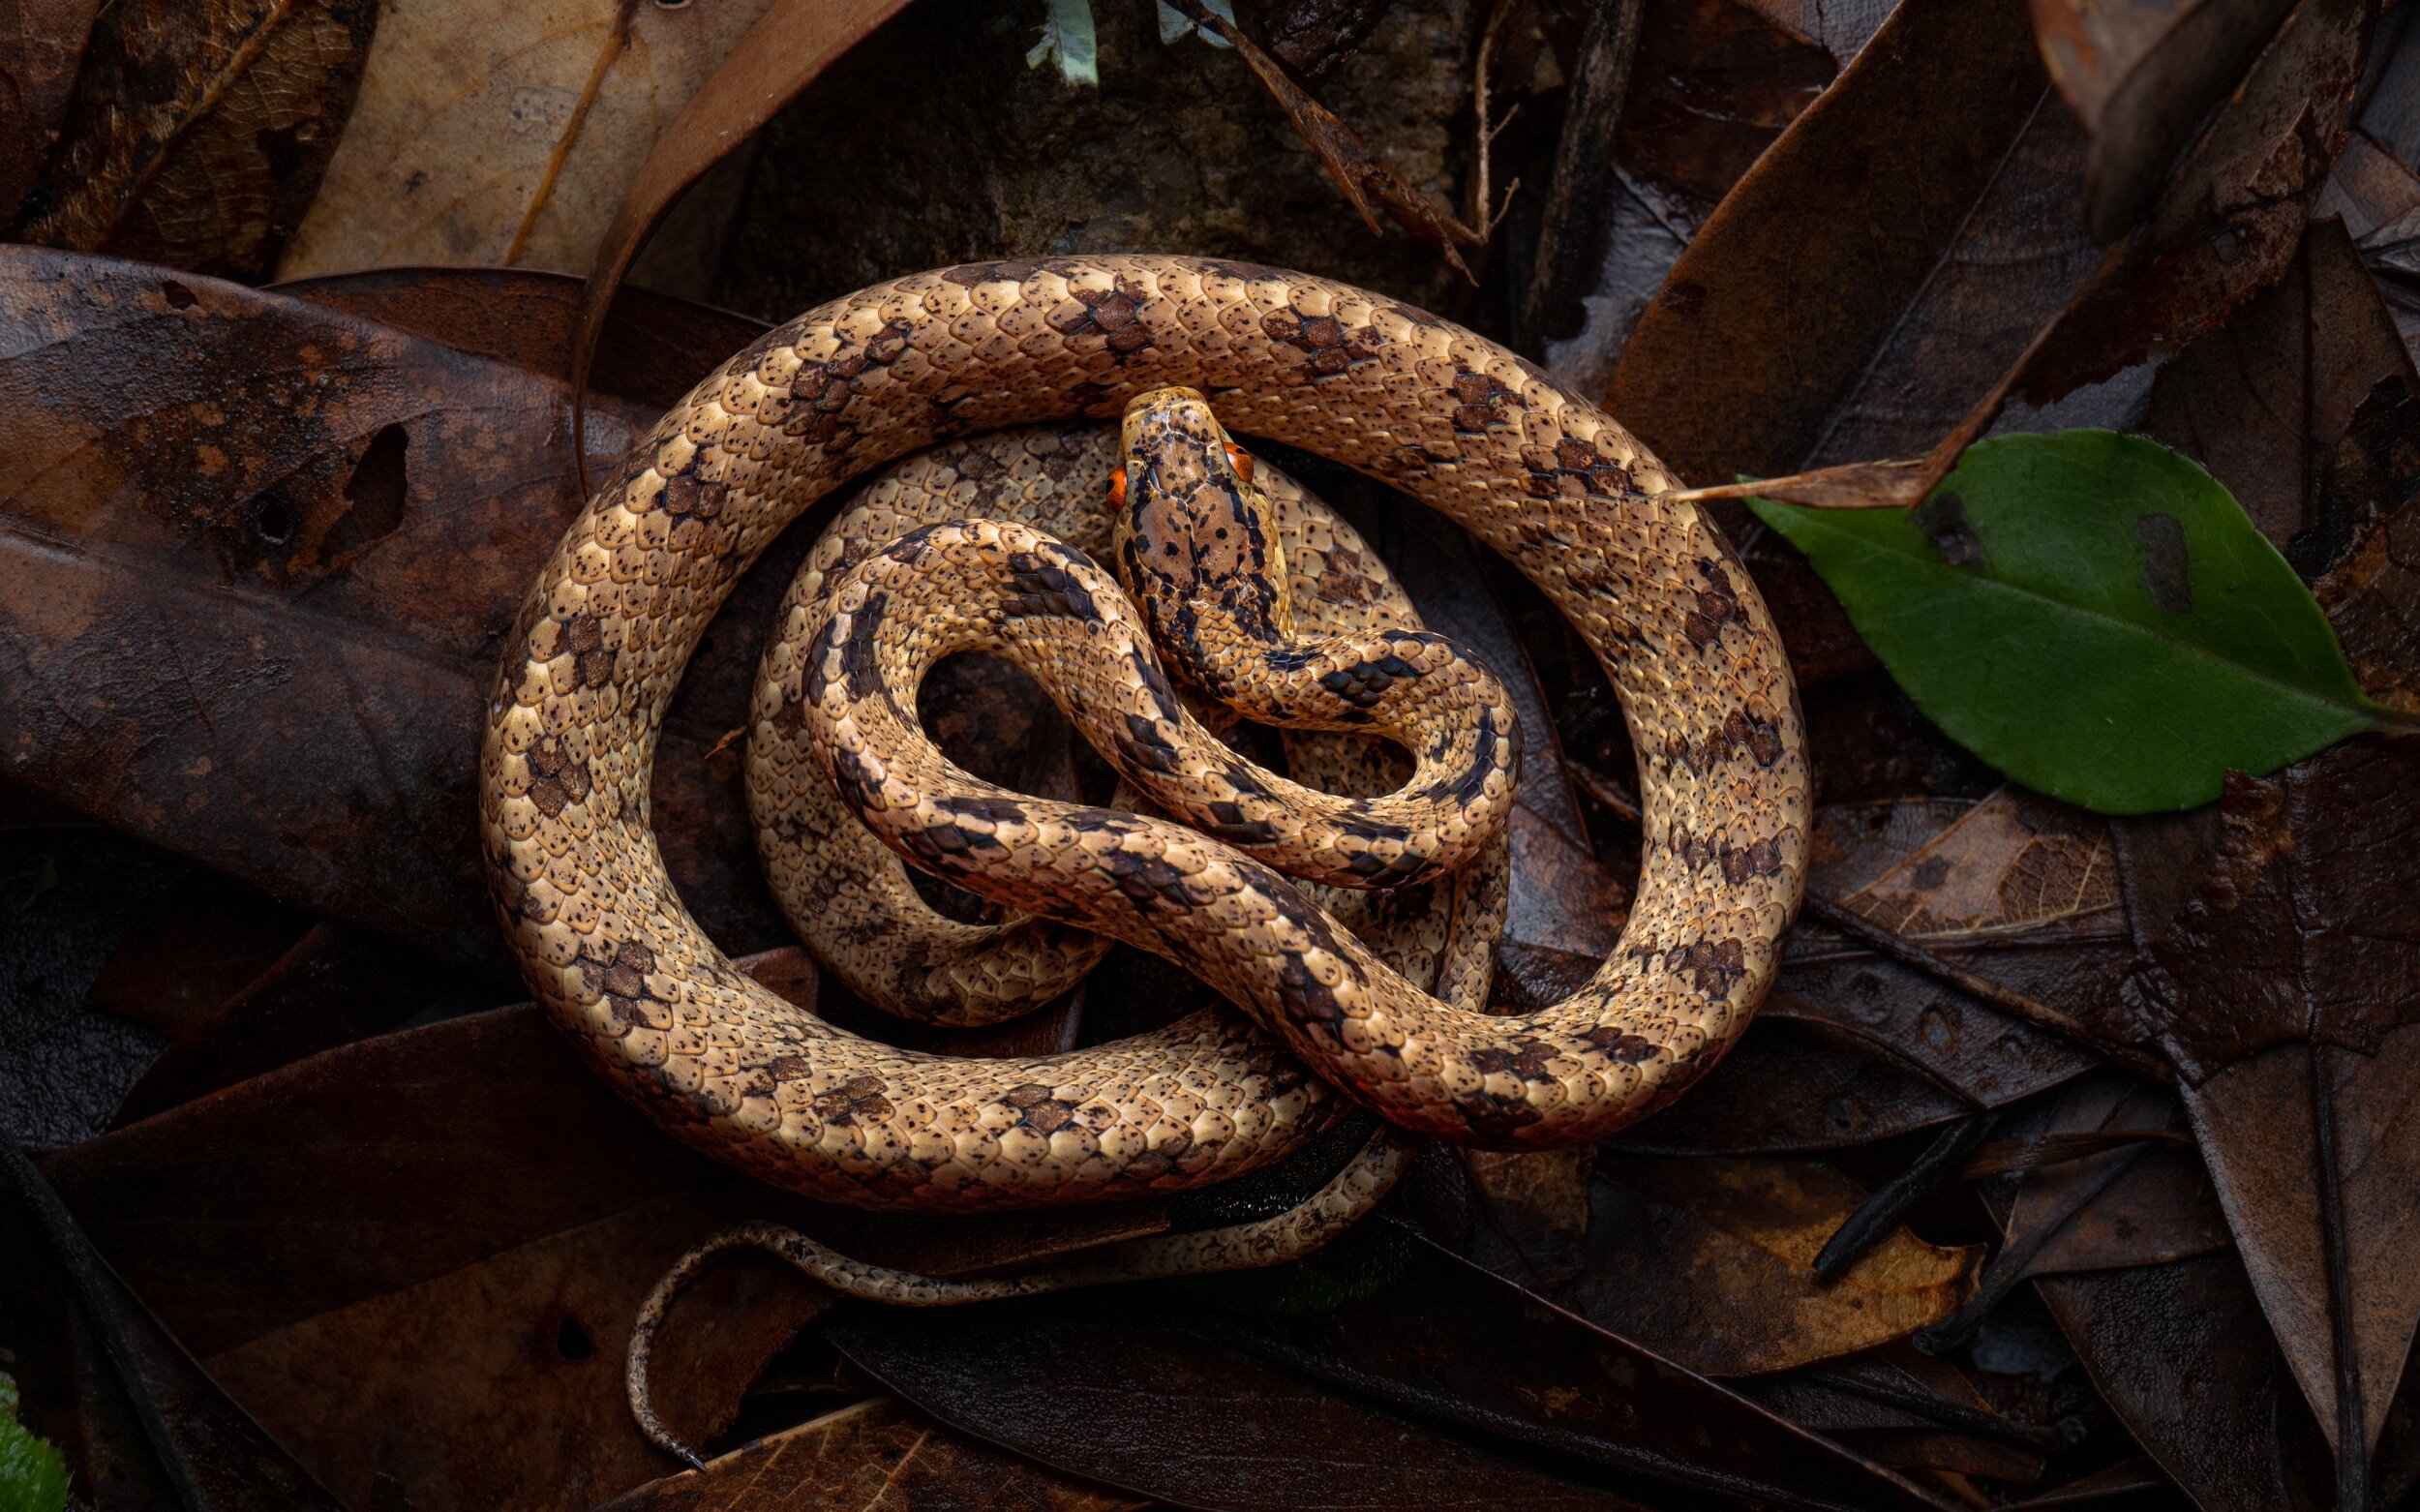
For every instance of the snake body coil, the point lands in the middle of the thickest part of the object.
(1453, 420)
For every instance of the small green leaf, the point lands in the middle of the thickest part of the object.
(2095, 615)
(33, 1477)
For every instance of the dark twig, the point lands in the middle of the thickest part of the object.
(2009, 1266)
(1949, 1415)
(2012, 1157)
(2007, 1000)
(1879, 1215)
(1572, 237)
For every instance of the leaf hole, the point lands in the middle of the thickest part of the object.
(273, 520)
(379, 484)
(281, 149)
(572, 1341)
(178, 296)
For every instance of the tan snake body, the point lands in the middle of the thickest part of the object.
(1457, 422)
(854, 904)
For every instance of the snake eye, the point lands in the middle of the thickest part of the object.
(1117, 489)
(1242, 460)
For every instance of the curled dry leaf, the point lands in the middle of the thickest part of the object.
(200, 131)
(1710, 1263)
(1923, 352)
(41, 44)
(790, 42)
(503, 134)
(878, 1456)
(2141, 73)
(1713, 83)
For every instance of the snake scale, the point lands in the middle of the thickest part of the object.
(1455, 421)
(855, 903)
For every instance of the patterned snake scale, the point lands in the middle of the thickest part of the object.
(854, 904)
(1457, 422)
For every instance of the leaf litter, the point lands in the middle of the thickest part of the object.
(1647, 1324)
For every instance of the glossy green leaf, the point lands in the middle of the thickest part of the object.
(33, 1477)
(2095, 615)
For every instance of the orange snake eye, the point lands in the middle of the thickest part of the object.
(1117, 489)
(1242, 460)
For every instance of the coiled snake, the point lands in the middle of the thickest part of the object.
(1462, 425)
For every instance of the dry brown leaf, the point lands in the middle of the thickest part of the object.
(2014, 864)
(2141, 73)
(1711, 1261)
(502, 134)
(41, 44)
(198, 131)
(878, 1456)
(790, 42)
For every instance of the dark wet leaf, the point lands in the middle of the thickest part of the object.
(2181, 1354)
(41, 44)
(417, 1258)
(214, 1455)
(339, 983)
(2305, 404)
(1710, 1263)
(2141, 73)
(878, 1456)
(199, 129)
(252, 454)
(191, 951)
(653, 351)
(1508, 1376)
(2094, 615)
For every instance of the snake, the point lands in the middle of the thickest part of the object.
(856, 905)
(1315, 1023)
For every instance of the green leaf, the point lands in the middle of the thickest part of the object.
(2095, 615)
(33, 1477)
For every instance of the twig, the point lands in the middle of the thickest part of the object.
(1571, 233)
(1907, 953)
(1880, 1213)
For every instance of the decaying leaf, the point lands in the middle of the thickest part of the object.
(2305, 404)
(2141, 73)
(504, 135)
(41, 44)
(2014, 864)
(878, 1456)
(1711, 1261)
(790, 42)
(415, 1259)
(200, 131)
(1356, 1402)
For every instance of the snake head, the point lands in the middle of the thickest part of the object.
(1193, 539)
